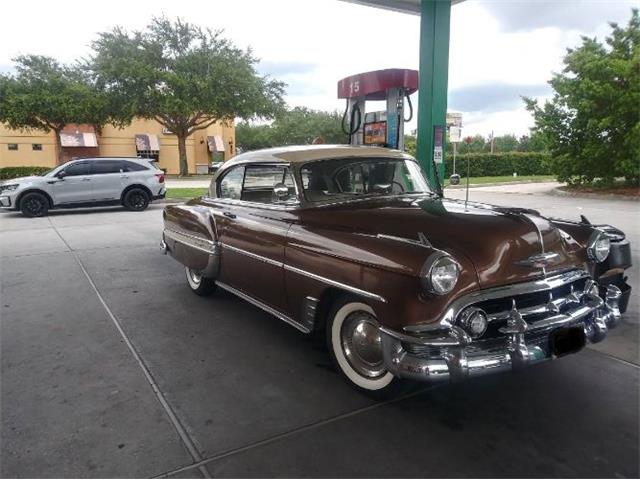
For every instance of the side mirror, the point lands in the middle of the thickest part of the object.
(454, 179)
(280, 192)
(61, 174)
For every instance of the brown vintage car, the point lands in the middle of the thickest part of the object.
(405, 283)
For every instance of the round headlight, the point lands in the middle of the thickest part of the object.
(474, 321)
(599, 246)
(440, 273)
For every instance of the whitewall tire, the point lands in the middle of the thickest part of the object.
(199, 285)
(355, 346)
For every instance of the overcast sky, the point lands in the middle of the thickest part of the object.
(500, 49)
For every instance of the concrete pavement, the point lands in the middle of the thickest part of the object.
(110, 366)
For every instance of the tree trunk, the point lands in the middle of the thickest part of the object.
(182, 153)
(58, 143)
(98, 131)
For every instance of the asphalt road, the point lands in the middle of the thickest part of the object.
(111, 367)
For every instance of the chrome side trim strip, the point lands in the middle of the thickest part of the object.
(193, 241)
(264, 307)
(253, 255)
(328, 281)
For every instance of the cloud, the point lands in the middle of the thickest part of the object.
(583, 15)
(493, 97)
(300, 77)
(6, 68)
(279, 69)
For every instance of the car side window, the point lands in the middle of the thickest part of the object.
(77, 169)
(101, 167)
(230, 186)
(133, 167)
(261, 180)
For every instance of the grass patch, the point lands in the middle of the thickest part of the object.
(185, 192)
(504, 179)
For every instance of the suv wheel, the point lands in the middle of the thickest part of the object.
(136, 200)
(34, 205)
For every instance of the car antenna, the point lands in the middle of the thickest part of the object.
(466, 200)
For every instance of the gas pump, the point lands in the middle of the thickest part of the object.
(386, 127)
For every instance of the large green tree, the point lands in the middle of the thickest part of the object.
(592, 124)
(296, 126)
(46, 95)
(183, 76)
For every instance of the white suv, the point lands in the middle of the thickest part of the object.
(132, 182)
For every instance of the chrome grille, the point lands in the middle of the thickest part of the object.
(532, 306)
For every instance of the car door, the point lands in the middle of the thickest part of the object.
(253, 230)
(75, 187)
(107, 177)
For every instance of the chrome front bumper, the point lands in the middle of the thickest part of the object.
(450, 353)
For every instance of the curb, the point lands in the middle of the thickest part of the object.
(496, 184)
(597, 196)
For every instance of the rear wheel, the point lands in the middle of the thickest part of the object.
(136, 200)
(199, 285)
(34, 204)
(355, 345)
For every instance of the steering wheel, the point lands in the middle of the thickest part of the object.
(402, 189)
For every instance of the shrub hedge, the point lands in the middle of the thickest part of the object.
(500, 164)
(14, 172)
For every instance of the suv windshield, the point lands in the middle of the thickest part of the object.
(343, 178)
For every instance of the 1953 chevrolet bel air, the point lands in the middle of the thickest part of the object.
(406, 283)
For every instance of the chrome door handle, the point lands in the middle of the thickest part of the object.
(86, 179)
(124, 176)
(229, 214)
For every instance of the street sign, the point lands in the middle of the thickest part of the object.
(454, 119)
(455, 134)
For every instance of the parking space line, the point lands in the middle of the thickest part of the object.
(173, 418)
(296, 431)
(617, 359)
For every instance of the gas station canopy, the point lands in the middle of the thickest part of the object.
(403, 6)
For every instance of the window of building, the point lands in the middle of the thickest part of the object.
(37, 147)
(12, 146)
(153, 155)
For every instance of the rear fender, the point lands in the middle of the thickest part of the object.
(190, 236)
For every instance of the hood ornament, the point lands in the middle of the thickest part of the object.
(540, 260)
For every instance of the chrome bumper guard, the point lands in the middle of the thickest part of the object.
(450, 353)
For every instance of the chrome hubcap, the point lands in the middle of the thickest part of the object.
(362, 344)
(195, 277)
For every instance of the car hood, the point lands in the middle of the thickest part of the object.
(500, 242)
(29, 179)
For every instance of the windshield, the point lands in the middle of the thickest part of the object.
(344, 178)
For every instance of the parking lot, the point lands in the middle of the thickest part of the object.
(111, 367)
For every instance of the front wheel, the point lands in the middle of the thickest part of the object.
(34, 204)
(355, 345)
(199, 285)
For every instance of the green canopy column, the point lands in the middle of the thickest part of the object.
(434, 76)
